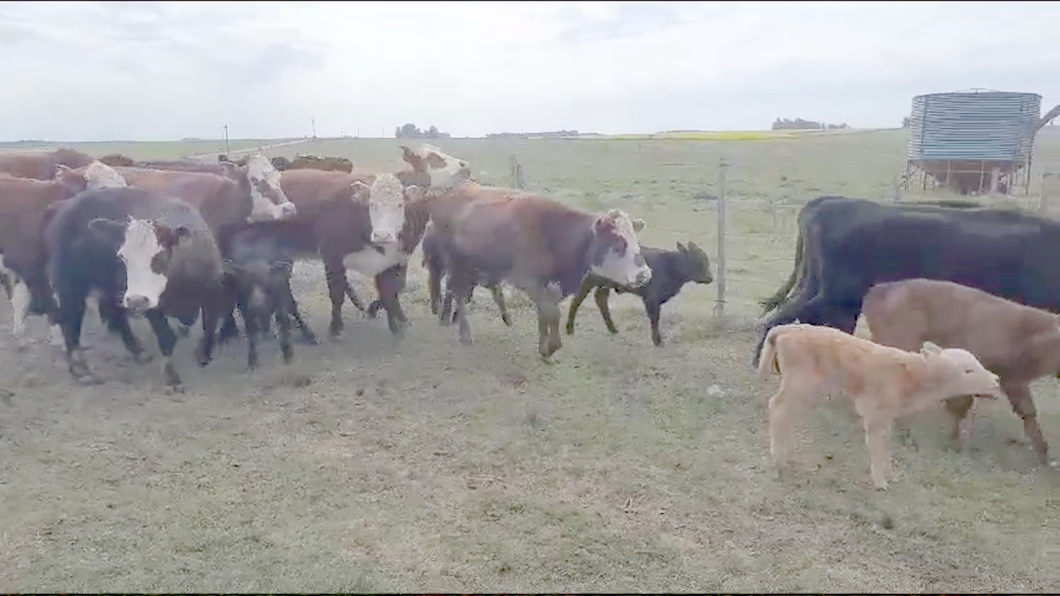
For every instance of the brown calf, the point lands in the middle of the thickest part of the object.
(537, 245)
(40, 165)
(883, 383)
(1017, 342)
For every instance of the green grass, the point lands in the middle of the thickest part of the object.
(423, 465)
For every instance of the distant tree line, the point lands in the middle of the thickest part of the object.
(800, 124)
(525, 135)
(411, 131)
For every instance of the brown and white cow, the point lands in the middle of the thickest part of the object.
(537, 245)
(40, 165)
(23, 203)
(371, 223)
(1019, 343)
(254, 194)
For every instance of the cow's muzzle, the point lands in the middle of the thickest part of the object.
(137, 304)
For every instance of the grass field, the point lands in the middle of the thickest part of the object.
(423, 465)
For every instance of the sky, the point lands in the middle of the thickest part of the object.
(160, 71)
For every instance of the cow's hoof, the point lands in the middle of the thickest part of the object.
(310, 340)
(142, 357)
(570, 329)
(465, 338)
(88, 378)
(174, 389)
(508, 321)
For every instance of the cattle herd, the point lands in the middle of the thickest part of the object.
(959, 298)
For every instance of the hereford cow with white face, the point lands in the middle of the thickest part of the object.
(145, 254)
(267, 196)
(537, 245)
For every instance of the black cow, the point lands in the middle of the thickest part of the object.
(259, 257)
(850, 210)
(670, 271)
(144, 253)
(851, 245)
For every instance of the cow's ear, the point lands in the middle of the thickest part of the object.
(638, 224)
(414, 193)
(61, 169)
(409, 156)
(230, 168)
(108, 230)
(361, 191)
(930, 348)
(170, 237)
(681, 248)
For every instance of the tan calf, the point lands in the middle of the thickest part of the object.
(1017, 342)
(882, 382)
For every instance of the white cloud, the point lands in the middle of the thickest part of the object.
(164, 70)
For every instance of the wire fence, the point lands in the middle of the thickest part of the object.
(750, 226)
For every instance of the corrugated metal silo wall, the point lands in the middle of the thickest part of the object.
(991, 126)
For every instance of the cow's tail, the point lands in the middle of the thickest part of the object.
(781, 295)
(767, 361)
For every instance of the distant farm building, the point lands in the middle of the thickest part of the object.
(973, 142)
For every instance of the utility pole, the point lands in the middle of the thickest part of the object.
(313, 122)
(226, 139)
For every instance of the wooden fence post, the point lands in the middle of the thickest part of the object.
(516, 172)
(719, 280)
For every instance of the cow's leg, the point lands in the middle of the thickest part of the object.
(389, 284)
(211, 311)
(654, 310)
(283, 323)
(576, 302)
(20, 301)
(780, 429)
(447, 315)
(459, 284)
(548, 315)
(336, 278)
(434, 285)
(498, 298)
(167, 339)
(229, 329)
(958, 408)
(71, 316)
(251, 329)
(119, 319)
(292, 307)
(600, 296)
(878, 441)
(356, 300)
(1019, 395)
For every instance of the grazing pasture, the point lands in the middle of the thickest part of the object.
(375, 464)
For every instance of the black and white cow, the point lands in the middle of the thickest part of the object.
(144, 253)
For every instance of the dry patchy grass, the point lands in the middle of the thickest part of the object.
(376, 465)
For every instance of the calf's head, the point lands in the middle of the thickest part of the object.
(614, 252)
(268, 201)
(694, 263)
(145, 249)
(386, 205)
(444, 170)
(961, 373)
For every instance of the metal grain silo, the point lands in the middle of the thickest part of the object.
(973, 141)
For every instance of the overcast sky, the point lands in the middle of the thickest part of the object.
(102, 71)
